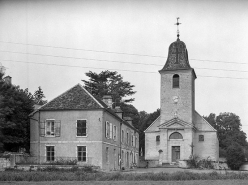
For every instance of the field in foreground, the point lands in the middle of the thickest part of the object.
(79, 175)
(195, 182)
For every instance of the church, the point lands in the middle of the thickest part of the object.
(180, 131)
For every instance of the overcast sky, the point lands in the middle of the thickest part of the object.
(53, 35)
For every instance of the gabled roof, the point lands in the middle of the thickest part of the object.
(75, 98)
(78, 98)
(176, 121)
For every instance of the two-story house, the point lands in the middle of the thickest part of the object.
(77, 126)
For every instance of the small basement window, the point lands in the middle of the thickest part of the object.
(201, 137)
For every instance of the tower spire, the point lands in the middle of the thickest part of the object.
(177, 28)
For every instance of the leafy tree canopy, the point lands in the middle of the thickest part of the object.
(108, 82)
(228, 128)
(15, 106)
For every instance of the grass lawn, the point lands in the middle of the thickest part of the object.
(195, 182)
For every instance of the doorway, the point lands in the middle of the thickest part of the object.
(175, 153)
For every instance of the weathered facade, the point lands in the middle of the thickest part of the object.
(179, 131)
(77, 126)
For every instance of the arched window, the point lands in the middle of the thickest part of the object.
(175, 83)
(176, 135)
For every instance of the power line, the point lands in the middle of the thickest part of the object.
(91, 50)
(62, 65)
(112, 52)
(114, 61)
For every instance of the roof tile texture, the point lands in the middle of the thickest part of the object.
(74, 98)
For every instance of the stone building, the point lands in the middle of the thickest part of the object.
(77, 126)
(180, 130)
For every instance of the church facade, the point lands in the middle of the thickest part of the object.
(180, 131)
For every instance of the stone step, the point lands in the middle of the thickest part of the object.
(168, 165)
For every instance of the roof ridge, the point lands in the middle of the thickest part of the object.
(90, 95)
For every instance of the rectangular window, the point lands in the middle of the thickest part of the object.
(127, 138)
(122, 136)
(107, 154)
(81, 153)
(50, 153)
(107, 129)
(114, 133)
(201, 137)
(111, 130)
(157, 138)
(132, 140)
(50, 128)
(81, 128)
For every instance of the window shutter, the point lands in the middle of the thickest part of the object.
(42, 129)
(57, 128)
(111, 131)
(116, 132)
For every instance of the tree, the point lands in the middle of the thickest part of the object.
(15, 106)
(38, 96)
(235, 156)
(228, 128)
(108, 82)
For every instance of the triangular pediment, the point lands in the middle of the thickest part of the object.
(176, 123)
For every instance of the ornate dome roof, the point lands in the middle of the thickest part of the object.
(177, 57)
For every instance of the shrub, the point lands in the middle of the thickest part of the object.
(192, 162)
(235, 156)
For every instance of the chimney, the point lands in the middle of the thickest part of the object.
(107, 99)
(129, 120)
(7, 80)
(118, 111)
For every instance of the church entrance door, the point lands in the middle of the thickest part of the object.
(175, 153)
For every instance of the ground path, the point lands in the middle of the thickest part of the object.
(195, 182)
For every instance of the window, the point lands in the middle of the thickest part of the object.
(157, 138)
(127, 138)
(50, 128)
(107, 129)
(201, 137)
(50, 153)
(107, 154)
(111, 131)
(81, 153)
(176, 135)
(132, 140)
(175, 83)
(122, 136)
(115, 133)
(81, 127)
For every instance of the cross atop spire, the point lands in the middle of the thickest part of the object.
(178, 28)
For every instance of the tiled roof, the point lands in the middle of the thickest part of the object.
(75, 98)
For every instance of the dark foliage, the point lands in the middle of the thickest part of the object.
(15, 106)
(235, 156)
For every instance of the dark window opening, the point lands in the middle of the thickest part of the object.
(81, 153)
(50, 153)
(157, 138)
(81, 127)
(201, 137)
(176, 135)
(175, 81)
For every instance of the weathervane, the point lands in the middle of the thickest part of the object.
(178, 27)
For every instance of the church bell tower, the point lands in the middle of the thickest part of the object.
(177, 85)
